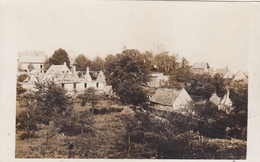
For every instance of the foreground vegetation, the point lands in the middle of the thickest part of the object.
(104, 128)
(108, 138)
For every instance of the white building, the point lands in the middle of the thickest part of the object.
(72, 83)
(34, 58)
(157, 79)
(224, 72)
(200, 68)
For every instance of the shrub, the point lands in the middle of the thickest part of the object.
(22, 77)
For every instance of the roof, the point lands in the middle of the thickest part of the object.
(149, 89)
(87, 77)
(165, 96)
(225, 72)
(32, 53)
(221, 71)
(226, 100)
(32, 56)
(55, 72)
(215, 99)
(101, 77)
(64, 77)
(32, 59)
(57, 69)
(200, 65)
(240, 76)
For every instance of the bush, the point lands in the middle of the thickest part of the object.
(22, 77)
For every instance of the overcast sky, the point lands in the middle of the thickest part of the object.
(214, 32)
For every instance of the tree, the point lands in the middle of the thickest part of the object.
(81, 62)
(184, 62)
(89, 95)
(128, 75)
(142, 123)
(47, 64)
(239, 97)
(147, 58)
(22, 77)
(180, 76)
(59, 57)
(201, 86)
(84, 117)
(166, 63)
(19, 90)
(109, 62)
(98, 64)
(132, 93)
(137, 126)
(212, 122)
(52, 104)
(220, 86)
(109, 66)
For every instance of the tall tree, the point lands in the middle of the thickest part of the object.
(59, 57)
(128, 75)
(201, 86)
(181, 75)
(166, 63)
(98, 64)
(239, 97)
(47, 64)
(109, 66)
(82, 62)
(220, 86)
(184, 62)
(52, 103)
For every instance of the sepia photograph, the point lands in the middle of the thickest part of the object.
(131, 80)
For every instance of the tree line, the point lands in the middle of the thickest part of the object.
(129, 71)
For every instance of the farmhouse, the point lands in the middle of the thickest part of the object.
(200, 68)
(224, 72)
(166, 99)
(35, 59)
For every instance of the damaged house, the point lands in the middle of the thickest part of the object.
(166, 99)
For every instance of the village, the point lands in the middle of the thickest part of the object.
(129, 105)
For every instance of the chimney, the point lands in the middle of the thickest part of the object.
(64, 63)
(87, 72)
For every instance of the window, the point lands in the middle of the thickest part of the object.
(97, 84)
(62, 85)
(74, 85)
(41, 66)
(85, 85)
